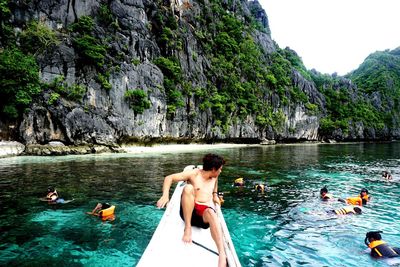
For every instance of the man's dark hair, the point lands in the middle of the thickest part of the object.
(50, 189)
(259, 188)
(212, 161)
(364, 190)
(374, 234)
(323, 190)
(105, 206)
(357, 210)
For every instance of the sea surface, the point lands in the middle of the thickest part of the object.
(287, 226)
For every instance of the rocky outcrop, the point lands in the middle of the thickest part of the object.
(10, 149)
(104, 118)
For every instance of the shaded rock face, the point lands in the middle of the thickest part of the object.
(105, 117)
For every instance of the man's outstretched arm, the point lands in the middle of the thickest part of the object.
(176, 177)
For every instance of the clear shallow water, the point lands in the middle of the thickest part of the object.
(286, 227)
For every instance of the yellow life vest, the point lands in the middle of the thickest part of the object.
(379, 248)
(376, 243)
(239, 181)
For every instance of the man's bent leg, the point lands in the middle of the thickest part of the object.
(187, 202)
(210, 217)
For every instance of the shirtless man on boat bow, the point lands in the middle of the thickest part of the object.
(196, 200)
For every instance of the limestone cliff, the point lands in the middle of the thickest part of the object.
(128, 39)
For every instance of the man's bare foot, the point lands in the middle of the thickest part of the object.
(187, 235)
(222, 260)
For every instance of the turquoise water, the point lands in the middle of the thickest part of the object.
(288, 226)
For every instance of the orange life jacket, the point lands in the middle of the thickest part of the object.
(366, 197)
(107, 212)
(354, 200)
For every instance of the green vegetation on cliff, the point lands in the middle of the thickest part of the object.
(380, 72)
(379, 78)
(241, 77)
(211, 60)
(138, 100)
(345, 106)
(19, 81)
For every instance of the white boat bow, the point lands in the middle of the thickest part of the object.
(166, 247)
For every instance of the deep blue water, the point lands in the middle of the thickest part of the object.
(288, 226)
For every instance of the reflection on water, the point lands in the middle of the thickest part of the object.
(288, 226)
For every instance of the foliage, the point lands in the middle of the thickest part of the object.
(379, 77)
(242, 78)
(327, 126)
(84, 25)
(342, 108)
(37, 37)
(19, 79)
(138, 100)
(241, 75)
(273, 119)
(168, 35)
(298, 95)
(90, 49)
(170, 68)
(296, 62)
(105, 15)
(4, 9)
(279, 70)
(379, 72)
(312, 108)
(87, 46)
(103, 80)
(7, 35)
(74, 92)
(135, 61)
(172, 76)
(53, 98)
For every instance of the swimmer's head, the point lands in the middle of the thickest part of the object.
(50, 189)
(260, 188)
(105, 205)
(373, 235)
(357, 210)
(323, 191)
(364, 190)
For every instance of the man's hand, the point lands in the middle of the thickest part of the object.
(162, 202)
